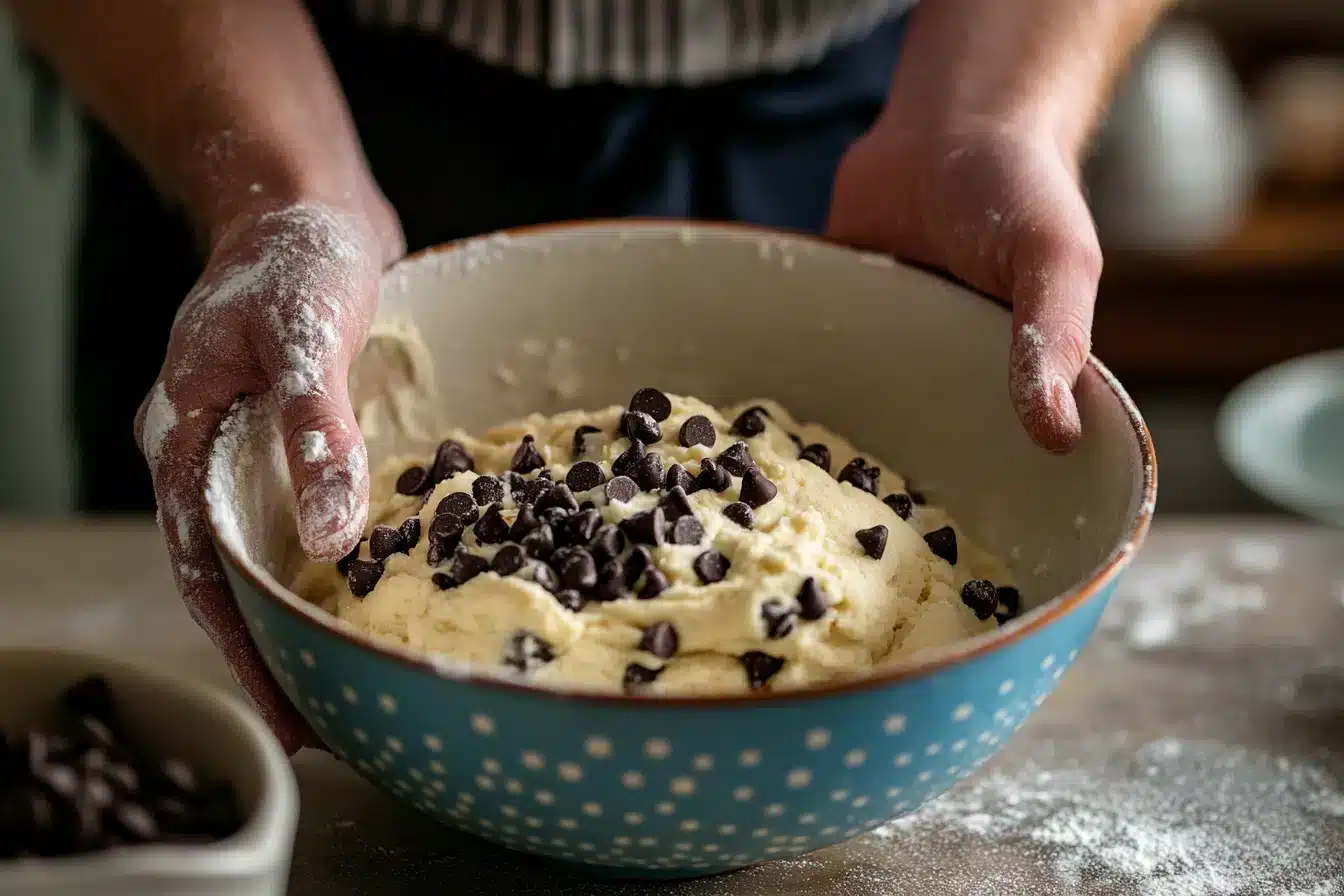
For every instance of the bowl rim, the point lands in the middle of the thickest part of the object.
(265, 839)
(930, 662)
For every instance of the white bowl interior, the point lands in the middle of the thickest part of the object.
(909, 366)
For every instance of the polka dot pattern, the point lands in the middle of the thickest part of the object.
(646, 788)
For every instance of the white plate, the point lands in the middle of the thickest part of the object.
(1282, 433)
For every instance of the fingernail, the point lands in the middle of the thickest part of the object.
(327, 519)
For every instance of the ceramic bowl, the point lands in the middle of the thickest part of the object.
(212, 731)
(908, 365)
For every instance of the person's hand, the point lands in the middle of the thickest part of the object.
(999, 208)
(284, 304)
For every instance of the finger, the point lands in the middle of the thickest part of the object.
(176, 443)
(1055, 271)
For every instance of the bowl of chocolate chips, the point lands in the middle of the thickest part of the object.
(688, 547)
(116, 779)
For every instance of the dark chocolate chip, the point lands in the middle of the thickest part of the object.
(134, 822)
(179, 776)
(649, 527)
(363, 576)
(414, 481)
(553, 517)
(123, 777)
(580, 435)
(91, 696)
(638, 677)
(660, 639)
(539, 543)
(587, 505)
(655, 583)
(579, 571)
(492, 528)
(608, 590)
(697, 430)
(606, 544)
(687, 530)
(741, 514)
(916, 495)
(736, 459)
(639, 562)
(981, 597)
(711, 567)
(943, 543)
(59, 780)
(677, 477)
(625, 464)
(621, 489)
(526, 651)
(756, 489)
(713, 477)
(443, 581)
(584, 475)
(579, 528)
(526, 521)
(676, 504)
(467, 566)
(343, 564)
(648, 473)
(410, 530)
(450, 459)
(385, 541)
(571, 600)
(508, 560)
(529, 491)
(779, 619)
(640, 427)
(460, 506)
(901, 503)
(797, 442)
(760, 667)
(1011, 599)
(487, 490)
(545, 474)
(652, 402)
(858, 474)
(750, 422)
(873, 541)
(544, 576)
(812, 602)
(559, 496)
(526, 457)
(818, 454)
(96, 733)
(445, 534)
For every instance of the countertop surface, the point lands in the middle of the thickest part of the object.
(1196, 747)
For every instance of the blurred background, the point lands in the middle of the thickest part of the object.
(1217, 185)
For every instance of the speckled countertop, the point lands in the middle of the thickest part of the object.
(1197, 746)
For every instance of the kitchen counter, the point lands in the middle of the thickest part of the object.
(1196, 747)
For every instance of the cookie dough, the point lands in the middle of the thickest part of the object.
(664, 548)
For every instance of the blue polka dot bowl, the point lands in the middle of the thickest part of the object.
(905, 363)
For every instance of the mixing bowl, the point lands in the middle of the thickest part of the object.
(909, 366)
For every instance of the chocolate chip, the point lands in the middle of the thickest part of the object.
(385, 541)
(648, 473)
(873, 541)
(677, 477)
(467, 566)
(640, 427)
(508, 560)
(736, 459)
(981, 597)
(652, 402)
(487, 490)
(818, 454)
(559, 496)
(660, 639)
(687, 530)
(443, 581)
(96, 733)
(639, 562)
(492, 528)
(450, 459)
(750, 422)
(571, 600)
(606, 544)
(553, 516)
(756, 489)
(648, 527)
(544, 576)
(529, 491)
(915, 494)
(858, 474)
(943, 543)
(760, 667)
(621, 489)
(584, 475)
(526, 651)
(580, 435)
(545, 474)
(61, 781)
(579, 572)
(812, 602)
(779, 619)
(539, 543)
(525, 522)
(414, 481)
(343, 564)
(741, 514)
(713, 477)
(655, 583)
(797, 442)
(460, 506)
(123, 777)
(901, 503)
(697, 430)
(624, 465)
(638, 677)
(179, 776)
(134, 822)
(711, 567)
(362, 576)
(579, 528)
(410, 530)
(445, 534)
(676, 504)
(1011, 599)
(526, 457)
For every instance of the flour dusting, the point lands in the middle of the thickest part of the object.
(160, 418)
(313, 444)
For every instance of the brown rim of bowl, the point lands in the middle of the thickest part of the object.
(1052, 610)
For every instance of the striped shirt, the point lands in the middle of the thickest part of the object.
(638, 42)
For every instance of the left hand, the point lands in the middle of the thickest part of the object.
(1000, 208)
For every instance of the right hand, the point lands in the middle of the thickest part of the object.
(284, 304)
